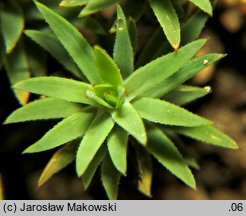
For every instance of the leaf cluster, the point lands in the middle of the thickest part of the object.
(117, 102)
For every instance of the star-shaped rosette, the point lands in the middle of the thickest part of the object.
(116, 110)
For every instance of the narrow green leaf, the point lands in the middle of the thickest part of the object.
(63, 157)
(204, 5)
(121, 96)
(12, 25)
(73, 3)
(168, 19)
(117, 146)
(101, 88)
(92, 141)
(94, 6)
(128, 118)
(192, 163)
(132, 29)
(76, 45)
(92, 95)
(168, 155)
(146, 78)
(189, 70)
(123, 51)
(209, 134)
(192, 28)
(186, 94)
(110, 178)
(43, 109)
(110, 98)
(17, 69)
(57, 87)
(52, 45)
(68, 129)
(160, 111)
(92, 168)
(106, 67)
(186, 152)
(144, 169)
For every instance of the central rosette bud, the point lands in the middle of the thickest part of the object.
(107, 95)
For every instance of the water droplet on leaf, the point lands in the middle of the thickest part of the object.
(205, 61)
(143, 135)
(208, 88)
(120, 24)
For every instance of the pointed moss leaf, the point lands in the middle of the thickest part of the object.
(106, 67)
(43, 109)
(92, 95)
(63, 157)
(52, 45)
(73, 3)
(92, 141)
(110, 178)
(92, 168)
(160, 111)
(76, 45)
(101, 88)
(110, 98)
(117, 146)
(209, 134)
(193, 27)
(123, 51)
(132, 29)
(204, 5)
(168, 19)
(68, 129)
(57, 87)
(94, 6)
(186, 153)
(189, 70)
(12, 25)
(147, 77)
(162, 148)
(17, 69)
(186, 94)
(121, 96)
(192, 162)
(144, 170)
(128, 118)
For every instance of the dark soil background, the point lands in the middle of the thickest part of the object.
(222, 173)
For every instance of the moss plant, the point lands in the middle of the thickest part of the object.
(114, 104)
